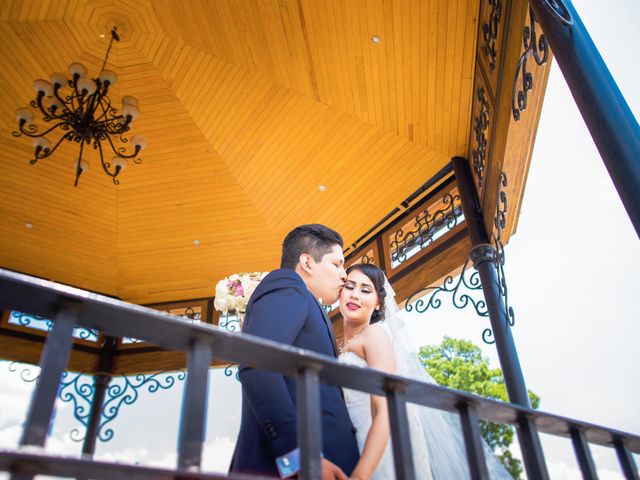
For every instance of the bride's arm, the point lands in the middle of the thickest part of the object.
(379, 355)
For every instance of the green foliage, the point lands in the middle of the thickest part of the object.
(459, 364)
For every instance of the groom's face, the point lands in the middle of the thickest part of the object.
(328, 276)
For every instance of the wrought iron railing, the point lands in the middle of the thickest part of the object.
(70, 307)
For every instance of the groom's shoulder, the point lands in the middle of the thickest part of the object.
(281, 279)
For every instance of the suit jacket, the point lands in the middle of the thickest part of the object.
(282, 309)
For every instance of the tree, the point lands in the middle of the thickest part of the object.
(459, 364)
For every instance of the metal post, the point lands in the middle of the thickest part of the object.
(309, 424)
(101, 381)
(473, 442)
(483, 255)
(52, 363)
(194, 406)
(531, 449)
(613, 127)
(583, 454)
(400, 437)
(626, 460)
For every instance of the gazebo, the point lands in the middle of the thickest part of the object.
(406, 126)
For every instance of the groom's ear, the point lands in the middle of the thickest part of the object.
(305, 262)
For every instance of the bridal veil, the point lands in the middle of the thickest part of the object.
(437, 431)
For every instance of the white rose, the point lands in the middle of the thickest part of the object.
(231, 302)
(220, 304)
(221, 289)
(241, 304)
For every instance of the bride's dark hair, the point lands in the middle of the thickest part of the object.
(376, 275)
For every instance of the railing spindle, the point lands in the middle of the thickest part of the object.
(400, 435)
(52, 363)
(473, 442)
(531, 449)
(626, 460)
(583, 454)
(194, 406)
(309, 424)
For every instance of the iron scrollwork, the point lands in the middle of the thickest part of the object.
(367, 259)
(495, 253)
(539, 48)
(479, 154)
(490, 32)
(231, 323)
(425, 228)
(79, 389)
(126, 391)
(452, 287)
(500, 222)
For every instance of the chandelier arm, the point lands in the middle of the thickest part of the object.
(121, 154)
(78, 169)
(40, 105)
(66, 136)
(56, 93)
(105, 110)
(95, 99)
(45, 153)
(106, 165)
(65, 104)
(116, 128)
(38, 135)
(73, 100)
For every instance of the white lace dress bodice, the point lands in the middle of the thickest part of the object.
(359, 406)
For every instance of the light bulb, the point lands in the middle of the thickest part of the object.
(42, 87)
(108, 76)
(24, 114)
(88, 85)
(79, 69)
(58, 79)
(130, 111)
(84, 166)
(119, 162)
(129, 100)
(54, 104)
(138, 141)
(41, 142)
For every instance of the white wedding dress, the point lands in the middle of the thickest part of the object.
(436, 437)
(359, 406)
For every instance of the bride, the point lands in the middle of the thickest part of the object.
(373, 336)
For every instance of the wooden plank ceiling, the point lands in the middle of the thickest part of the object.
(248, 107)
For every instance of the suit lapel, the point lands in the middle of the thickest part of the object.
(329, 325)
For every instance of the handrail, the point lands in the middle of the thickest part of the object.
(117, 318)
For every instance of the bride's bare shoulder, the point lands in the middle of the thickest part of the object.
(376, 335)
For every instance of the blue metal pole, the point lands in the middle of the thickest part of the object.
(613, 127)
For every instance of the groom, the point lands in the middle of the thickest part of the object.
(285, 307)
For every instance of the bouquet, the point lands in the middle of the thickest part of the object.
(233, 292)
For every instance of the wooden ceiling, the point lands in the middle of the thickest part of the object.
(247, 106)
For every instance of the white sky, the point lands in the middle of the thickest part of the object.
(572, 278)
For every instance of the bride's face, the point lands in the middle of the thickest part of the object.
(358, 298)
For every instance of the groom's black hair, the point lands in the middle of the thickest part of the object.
(314, 239)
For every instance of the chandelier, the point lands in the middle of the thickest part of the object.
(85, 116)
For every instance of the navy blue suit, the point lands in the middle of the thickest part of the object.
(282, 309)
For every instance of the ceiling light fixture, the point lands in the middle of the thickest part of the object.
(84, 116)
(376, 40)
